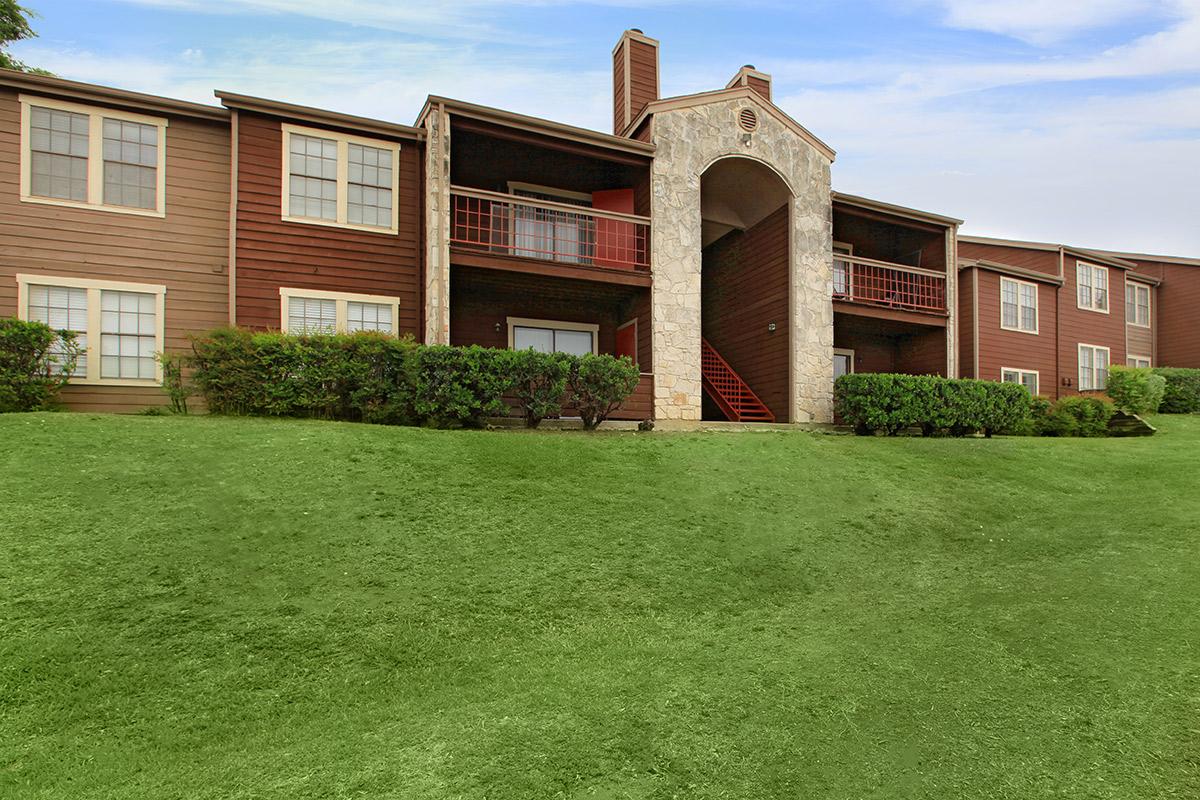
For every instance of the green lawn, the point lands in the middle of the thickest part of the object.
(217, 608)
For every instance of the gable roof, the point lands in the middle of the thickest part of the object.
(319, 116)
(90, 92)
(733, 93)
(1098, 256)
(890, 208)
(536, 125)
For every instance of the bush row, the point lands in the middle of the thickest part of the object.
(1181, 395)
(35, 362)
(890, 403)
(374, 378)
(1137, 391)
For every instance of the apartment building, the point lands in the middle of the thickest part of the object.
(701, 237)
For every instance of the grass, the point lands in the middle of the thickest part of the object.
(216, 608)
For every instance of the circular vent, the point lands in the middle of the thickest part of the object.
(748, 120)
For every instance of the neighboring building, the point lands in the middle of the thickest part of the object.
(1175, 339)
(114, 221)
(701, 238)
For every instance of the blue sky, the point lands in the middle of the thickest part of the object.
(1057, 120)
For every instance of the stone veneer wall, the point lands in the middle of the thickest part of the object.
(688, 141)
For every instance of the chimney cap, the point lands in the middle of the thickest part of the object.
(749, 66)
(637, 30)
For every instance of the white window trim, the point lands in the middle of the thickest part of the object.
(845, 351)
(1037, 375)
(95, 174)
(92, 357)
(1149, 361)
(553, 191)
(552, 324)
(1107, 288)
(343, 142)
(341, 299)
(1149, 302)
(1037, 313)
(1079, 365)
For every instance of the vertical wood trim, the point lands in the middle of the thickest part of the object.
(628, 89)
(952, 301)
(793, 339)
(975, 321)
(233, 215)
(1058, 294)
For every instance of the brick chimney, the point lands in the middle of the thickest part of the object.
(635, 77)
(749, 76)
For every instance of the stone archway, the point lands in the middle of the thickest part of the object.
(689, 141)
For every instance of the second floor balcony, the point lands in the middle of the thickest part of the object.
(886, 285)
(527, 227)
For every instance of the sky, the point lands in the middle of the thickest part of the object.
(1073, 121)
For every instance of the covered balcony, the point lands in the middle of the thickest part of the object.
(525, 200)
(892, 274)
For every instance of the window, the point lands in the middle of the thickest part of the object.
(1026, 377)
(1138, 361)
(1137, 304)
(548, 336)
(1018, 305)
(125, 319)
(548, 233)
(843, 362)
(335, 179)
(92, 157)
(841, 268)
(316, 311)
(1093, 368)
(1092, 283)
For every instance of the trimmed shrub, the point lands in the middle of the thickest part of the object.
(890, 403)
(174, 384)
(1079, 416)
(1182, 392)
(1136, 391)
(35, 363)
(461, 386)
(598, 386)
(539, 381)
(365, 377)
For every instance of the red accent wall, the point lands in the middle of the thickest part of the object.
(744, 287)
(272, 253)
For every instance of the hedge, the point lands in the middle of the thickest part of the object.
(1182, 392)
(886, 402)
(1137, 391)
(1076, 416)
(35, 363)
(370, 377)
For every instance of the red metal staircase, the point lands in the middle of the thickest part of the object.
(727, 389)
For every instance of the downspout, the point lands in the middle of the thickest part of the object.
(975, 322)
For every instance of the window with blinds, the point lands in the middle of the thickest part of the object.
(369, 317)
(1018, 305)
(311, 315)
(92, 157)
(62, 308)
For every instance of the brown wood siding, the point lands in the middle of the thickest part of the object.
(643, 76)
(187, 251)
(1173, 313)
(1078, 326)
(966, 323)
(272, 253)
(1041, 260)
(744, 288)
(922, 352)
(999, 348)
(640, 310)
(759, 85)
(619, 120)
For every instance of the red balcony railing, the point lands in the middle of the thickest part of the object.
(567, 234)
(879, 283)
